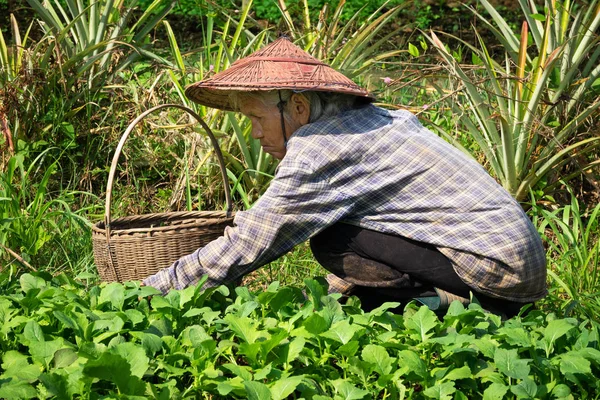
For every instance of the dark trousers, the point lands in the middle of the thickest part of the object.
(392, 268)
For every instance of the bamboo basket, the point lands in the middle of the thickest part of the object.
(135, 247)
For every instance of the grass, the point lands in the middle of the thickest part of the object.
(290, 270)
(573, 241)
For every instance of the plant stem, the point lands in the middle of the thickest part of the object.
(18, 258)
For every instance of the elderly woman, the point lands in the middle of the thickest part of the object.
(392, 210)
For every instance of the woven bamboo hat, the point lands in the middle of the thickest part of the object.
(279, 65)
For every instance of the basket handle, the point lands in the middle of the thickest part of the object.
(113, 166)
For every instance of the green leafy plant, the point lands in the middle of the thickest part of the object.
(63, 339)
(531, 115)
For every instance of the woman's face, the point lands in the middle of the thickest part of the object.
(266, 121)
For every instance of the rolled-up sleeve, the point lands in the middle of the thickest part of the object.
(298, 204)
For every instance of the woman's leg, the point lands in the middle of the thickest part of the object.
(388, 267)
(373, 259)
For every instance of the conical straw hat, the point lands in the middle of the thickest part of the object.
(279, 65)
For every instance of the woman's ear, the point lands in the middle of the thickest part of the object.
(300, 108)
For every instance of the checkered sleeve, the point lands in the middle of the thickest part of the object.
(297, 205)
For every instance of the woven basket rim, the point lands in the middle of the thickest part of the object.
(189, 219)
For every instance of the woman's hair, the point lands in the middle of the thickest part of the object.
(322, 104)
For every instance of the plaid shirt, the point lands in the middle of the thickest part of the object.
(380, 170)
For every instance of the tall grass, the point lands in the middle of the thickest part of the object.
(37, 225)
(291, 269)
(572, 235)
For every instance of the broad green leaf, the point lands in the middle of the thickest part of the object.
(226, 387)
(361, 368)
(243, 327)
(135, 356)
(262, 373)
(161, 303)
(161, 327)
(294, 349)
(65, 357)
(348, 391)
(17, 390)
(441, 391)
(192, 312)
(151, 343)
(114, 368)
(516, 336)
(486, 346)
(285, 296)
(275, 340)
(247, 308)
(186, 295)
(67, 321)
(509, 364)
(239, 370)
(257, 391)
(114, 324)
(590, 353)
(378, 356)
(285, 387)
(134, 316)
(526, 388)
(12, 358)
(495, 391)
(115, 341)
(194, 336)
(57, 385)
(383, 308)
(412, 362)
(455, 309)
(113, 293)
(250, 350)
(315, 324)
(422, 322)
(244, 293)
(573, 363)
(332, 309)
(17, 367)
(463, 372)
(342, 331)
(92, 350)
(561, 391)
(43, 352)
(29, 282)
(33, 332)
(316, 290)
(556, 329)
(146, 291)
(349, 349)
(173, 298)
